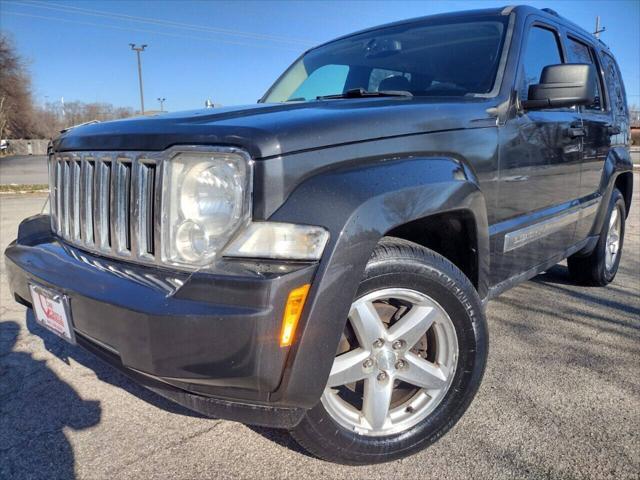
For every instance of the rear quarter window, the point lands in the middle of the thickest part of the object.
(614, 85)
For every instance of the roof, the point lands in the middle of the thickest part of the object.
(506, 10)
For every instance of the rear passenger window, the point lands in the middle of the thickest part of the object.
(578, 52)
(615, 88)
(542, 49)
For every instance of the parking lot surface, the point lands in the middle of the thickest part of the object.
(23, 169)
(560, 398)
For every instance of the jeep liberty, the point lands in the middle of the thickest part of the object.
(320, 261)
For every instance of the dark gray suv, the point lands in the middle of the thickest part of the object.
(320, 261)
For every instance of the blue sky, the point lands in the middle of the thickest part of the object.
(230, 52)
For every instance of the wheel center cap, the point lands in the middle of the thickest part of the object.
(386, 360)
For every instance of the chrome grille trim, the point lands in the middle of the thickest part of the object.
(107, 202)
(86, 196)
(74, 208)
(120, 201)
(101, 208)
(66, 200)
(143, 225)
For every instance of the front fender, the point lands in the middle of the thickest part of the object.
(358, 206)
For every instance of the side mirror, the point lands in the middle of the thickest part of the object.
(564, 85)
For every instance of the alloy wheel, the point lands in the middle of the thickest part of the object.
(612, 246)
(395, 362)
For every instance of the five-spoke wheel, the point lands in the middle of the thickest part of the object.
(396, 362)
(613, 239)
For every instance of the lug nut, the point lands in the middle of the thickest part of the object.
(378, 343)
(398, 344)
(368, 363)
(401, 364)
(382, 376)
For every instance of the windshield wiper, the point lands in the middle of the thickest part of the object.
(362, 93)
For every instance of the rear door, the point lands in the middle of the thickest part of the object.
(601, 127)
(597, 120)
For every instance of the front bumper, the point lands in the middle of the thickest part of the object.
(209, 341)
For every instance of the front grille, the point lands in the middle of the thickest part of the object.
(107, 203)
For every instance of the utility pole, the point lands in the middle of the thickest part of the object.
(598, 30)
(161, 100)
(138, 50)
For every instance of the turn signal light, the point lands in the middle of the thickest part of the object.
(292, 312)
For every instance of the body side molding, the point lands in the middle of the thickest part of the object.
(523, 236)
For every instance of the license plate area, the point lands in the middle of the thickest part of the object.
(51, 310)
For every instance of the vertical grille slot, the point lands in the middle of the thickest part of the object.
(102, 194)
(145, 194)
(151, 195)
(74, 207)
(59, 196)
(66, 198)
(121, 206)
(86, 207)
(53, 203)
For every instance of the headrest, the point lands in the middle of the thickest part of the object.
(396, 82)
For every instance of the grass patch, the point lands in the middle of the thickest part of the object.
(29, 188)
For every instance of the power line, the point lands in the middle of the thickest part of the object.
(140, 30)
(161, 22)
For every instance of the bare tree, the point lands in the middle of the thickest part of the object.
(20, 118)
(51, 118)
(3, 117)
(16, 111)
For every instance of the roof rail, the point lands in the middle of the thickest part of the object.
(550, 11)
(507, 10)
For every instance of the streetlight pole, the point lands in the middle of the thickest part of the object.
(161, 100)
(598, 29)
(138, 50)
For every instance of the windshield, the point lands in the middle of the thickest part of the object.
(426, 59)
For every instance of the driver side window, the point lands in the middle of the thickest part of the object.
(542, 49)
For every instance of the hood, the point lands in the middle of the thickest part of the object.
(267, 130)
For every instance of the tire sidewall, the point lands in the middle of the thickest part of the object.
(616, 202)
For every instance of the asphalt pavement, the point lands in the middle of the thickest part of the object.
(23, 169)
(560, 398)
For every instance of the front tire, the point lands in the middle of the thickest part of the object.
(409, 363)
(599, 268)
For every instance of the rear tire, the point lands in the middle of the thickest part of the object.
(348, 425)
(599, 268)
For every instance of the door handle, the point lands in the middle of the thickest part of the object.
(613, 129)
(575, 132)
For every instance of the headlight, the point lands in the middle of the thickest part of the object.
(206, 198)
